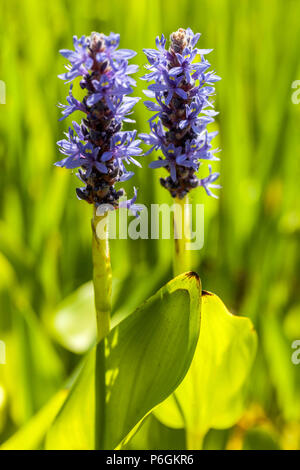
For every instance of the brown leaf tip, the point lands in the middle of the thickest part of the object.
(205, 292)
(192, 274)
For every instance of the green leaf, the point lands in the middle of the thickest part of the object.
(73, 323)
(147, 356)
(211, 395)
(30, 436)
(283, 374)
(260, 439)
(153, 435)
(32, 366)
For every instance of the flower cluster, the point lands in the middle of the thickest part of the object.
(182, 89)
(98, 146)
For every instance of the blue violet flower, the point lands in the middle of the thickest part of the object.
(98, 146)
(182, 90)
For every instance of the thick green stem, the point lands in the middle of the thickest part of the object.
(102, 274)
(194, 441)
(100, 397)
(182, 230)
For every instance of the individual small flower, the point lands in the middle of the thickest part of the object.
(208, 181)
(170, 86)
(130, 204)
(74, 105)
(172, 154)
(123, 148)
(80, 59)
(123, 107)
(186, 66)
(98, 147)
(155, 138)
(73, 148)
(156, 57)
(182, 90)
(111, 52)
(192, 119)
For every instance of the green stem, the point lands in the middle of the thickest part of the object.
(182, 226)
(102, 277)
(194, 441)
(100, 396)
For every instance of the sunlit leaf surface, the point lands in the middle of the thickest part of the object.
(211, 395)
(147, 356)
(73, 323)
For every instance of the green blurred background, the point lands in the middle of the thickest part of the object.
(251, 252)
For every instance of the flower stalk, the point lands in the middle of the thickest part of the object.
(102, 276)
(182, 260)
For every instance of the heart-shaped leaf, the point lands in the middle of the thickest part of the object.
(211, 395)
(147, 356)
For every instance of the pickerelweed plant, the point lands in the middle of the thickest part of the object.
(101, 150)
(97, 146)
(182, 89)
(180, 358)
(183, 108)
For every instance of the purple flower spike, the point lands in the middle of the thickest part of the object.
(97, 146)
(182, 110)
